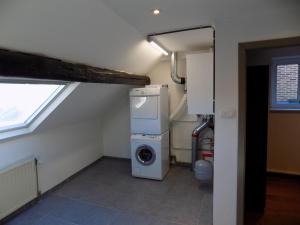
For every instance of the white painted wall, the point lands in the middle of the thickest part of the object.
(235, 21)
(160, 74)
(70, 138)
(257, 57)
(87, 102)
(61, 151)
(116, 123)
(116, 129)
(182, 128)
(92, 33)
(229, 159)
(80, 31)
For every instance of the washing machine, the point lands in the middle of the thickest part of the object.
(149, 110)
(150, 155)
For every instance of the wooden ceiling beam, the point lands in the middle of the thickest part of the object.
(23, 65)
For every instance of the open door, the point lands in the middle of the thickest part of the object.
(256, 137)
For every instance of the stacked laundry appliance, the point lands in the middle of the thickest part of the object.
(149, 110)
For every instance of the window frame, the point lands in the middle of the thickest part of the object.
(45, 109)
(273, 90)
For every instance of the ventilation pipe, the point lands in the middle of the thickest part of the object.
(177, 80)
(207, 122)
(174, 75)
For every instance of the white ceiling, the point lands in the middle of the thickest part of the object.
(86, 32)
(191, 40)
(112, 34)
(87, 101)
(178, 14)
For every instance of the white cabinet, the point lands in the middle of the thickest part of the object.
(200, 83)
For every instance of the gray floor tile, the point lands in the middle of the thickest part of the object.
(180, 213)
(206, 212)
(49, 203)
(107, 194)
(74, 211)
(147, 204)
(50, 220)
(75, 189)
(163, 222)
(101, 195)
(132, 219)
(29, 217)
(102, 216)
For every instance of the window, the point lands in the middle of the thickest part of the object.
(285, 83)
(25, 104)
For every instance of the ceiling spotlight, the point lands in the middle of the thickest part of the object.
(156, 12)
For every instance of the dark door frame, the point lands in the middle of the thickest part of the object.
(242, 48)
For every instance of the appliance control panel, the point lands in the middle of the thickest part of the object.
(146, 137)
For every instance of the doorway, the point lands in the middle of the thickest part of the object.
(270, 195)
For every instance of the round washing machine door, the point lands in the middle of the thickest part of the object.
(145, 155)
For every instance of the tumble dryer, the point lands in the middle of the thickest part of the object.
(149, 110)
(150, 155)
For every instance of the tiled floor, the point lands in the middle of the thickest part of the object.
(107, 194)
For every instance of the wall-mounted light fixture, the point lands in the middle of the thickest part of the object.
(157, 46)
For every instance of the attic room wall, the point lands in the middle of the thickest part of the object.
(116, 125)
(277, 22)
(117, 122)
(31, 27)
(283, 146)
(61, 151)
(183, 126)
(116, 128)
(71, 136)
(284, 143)
(119, 118)
(79, 31)
(161, 74)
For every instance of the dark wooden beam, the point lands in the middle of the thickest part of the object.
(23, 65)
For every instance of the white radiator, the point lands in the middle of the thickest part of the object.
(18, 186)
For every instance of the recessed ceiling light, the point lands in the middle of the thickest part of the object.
(156, 12)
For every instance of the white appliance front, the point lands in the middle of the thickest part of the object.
(150, 155)
(144, 107)
(149, 110)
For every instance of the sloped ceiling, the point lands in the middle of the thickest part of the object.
(111, 34)
(87, 101)
(178, 14)
(75, 30)
(79, 31)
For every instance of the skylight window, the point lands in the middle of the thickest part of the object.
(25, 104)
(21, 103)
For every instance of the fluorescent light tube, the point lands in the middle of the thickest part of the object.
(155, 45)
